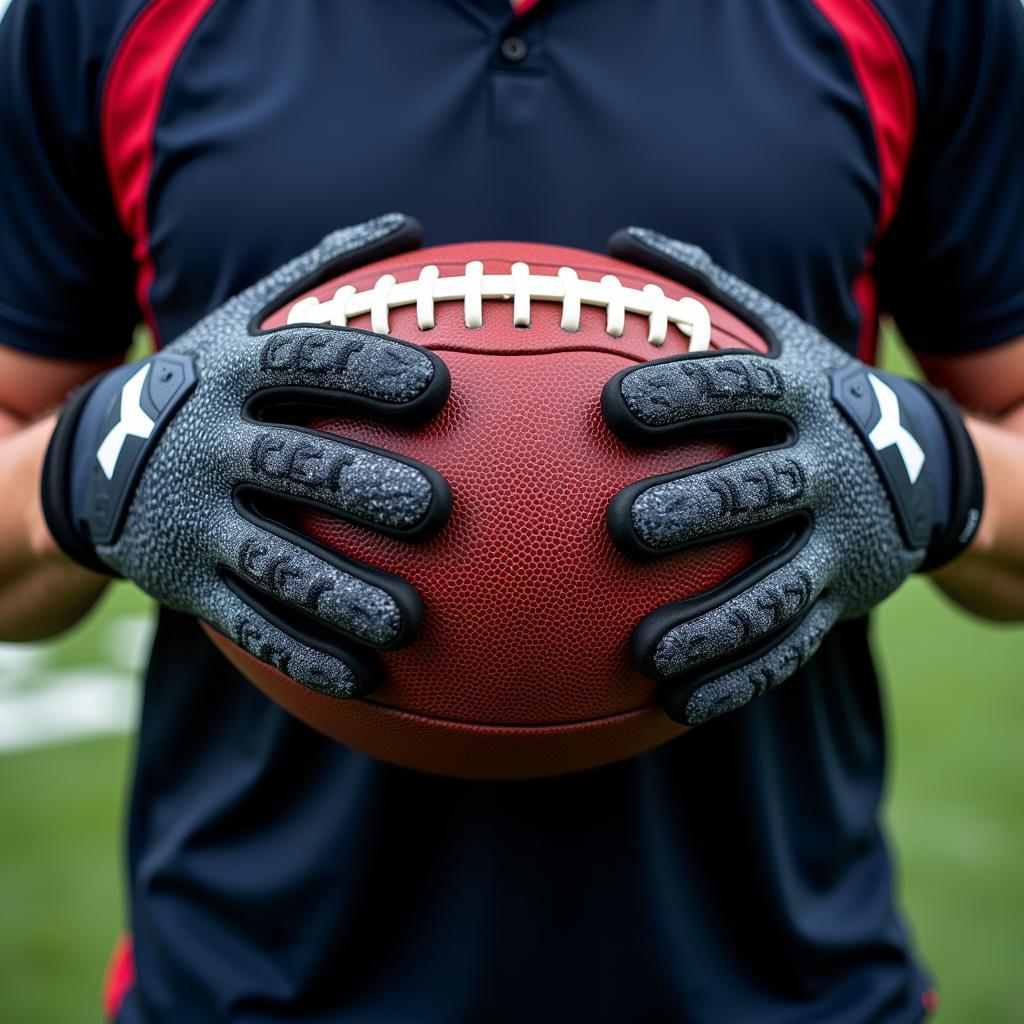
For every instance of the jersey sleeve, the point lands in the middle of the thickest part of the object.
(66, 277)
(951, 269)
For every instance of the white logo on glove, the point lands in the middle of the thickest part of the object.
(889, 431)
(133, 423)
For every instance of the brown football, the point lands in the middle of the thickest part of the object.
(521, 667)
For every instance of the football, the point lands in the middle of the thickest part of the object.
(521, 667)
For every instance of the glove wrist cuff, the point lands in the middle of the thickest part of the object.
(968, 490)
(55, 485)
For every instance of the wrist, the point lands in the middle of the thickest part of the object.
(984, 540)
(64, 525)
(39, 541)
(962, 494)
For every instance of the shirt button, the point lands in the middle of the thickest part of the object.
(513, 49)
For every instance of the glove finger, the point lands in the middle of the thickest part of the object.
(318, 590)
(692, 266)
(687, 636)
(355, 371)
(327, 665)
(388, 493)
(664, 514)
(665, 398)
(333, 255)
(699, 700)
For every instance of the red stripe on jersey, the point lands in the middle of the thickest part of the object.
(120, 977)
(133, 95)
(887, 84)
(865, 294)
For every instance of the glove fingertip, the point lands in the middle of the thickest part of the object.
(333, 255)
(619, 417)
(681, 261)
(619, 518)
(434, 394)
(698, 704)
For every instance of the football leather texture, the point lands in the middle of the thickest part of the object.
(521, 667)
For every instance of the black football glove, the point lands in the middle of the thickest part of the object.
(866, 478)
(160, 471)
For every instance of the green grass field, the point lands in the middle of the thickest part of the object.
(955, 808)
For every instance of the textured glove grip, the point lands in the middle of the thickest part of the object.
(968, 486)
(56, 485)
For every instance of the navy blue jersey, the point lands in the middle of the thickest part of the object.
(846, 156)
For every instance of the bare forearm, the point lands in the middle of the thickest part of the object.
(988, 579)
(41, 591)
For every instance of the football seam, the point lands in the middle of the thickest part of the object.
(573, 725)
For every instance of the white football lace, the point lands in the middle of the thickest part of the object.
(688, 314)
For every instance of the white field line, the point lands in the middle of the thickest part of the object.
(42, 705)
(65, 706)
(19, 662)
(127, 641)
